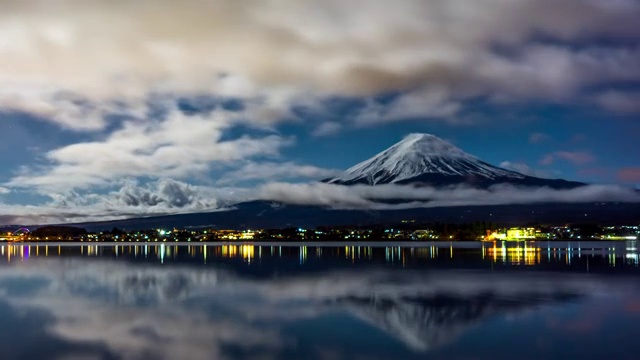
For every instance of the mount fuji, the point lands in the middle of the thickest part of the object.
(426, 160)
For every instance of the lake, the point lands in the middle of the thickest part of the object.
(410, 300)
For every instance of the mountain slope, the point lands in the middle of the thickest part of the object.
(425, 159)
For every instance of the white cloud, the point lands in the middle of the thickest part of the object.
(168, 196)
(129, 199)
(63, 110)
(369, 197)
(4, 190)
(118, 50)
(315, 194)
(424, 103)
(178, 146)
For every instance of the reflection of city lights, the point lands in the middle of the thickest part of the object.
(229, 251)
(393, 254)
(247, 252)
(303, 254)
(526, 255)
(573, 254)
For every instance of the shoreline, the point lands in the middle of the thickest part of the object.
(549, 244)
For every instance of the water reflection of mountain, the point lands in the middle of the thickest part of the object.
(422, 309)
(423, 323)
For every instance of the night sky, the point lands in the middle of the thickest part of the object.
(118, 108)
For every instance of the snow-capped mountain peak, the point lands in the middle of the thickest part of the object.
(419, 155)
(425, 145)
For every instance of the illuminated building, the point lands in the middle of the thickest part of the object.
(14, 237)
(619, 237)
(492, 236)
(248, 235)
(521, 233)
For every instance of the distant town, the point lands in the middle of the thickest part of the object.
(405, 231)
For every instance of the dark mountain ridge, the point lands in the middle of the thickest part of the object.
(266, 214)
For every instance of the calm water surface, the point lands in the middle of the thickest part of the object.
(366, 301)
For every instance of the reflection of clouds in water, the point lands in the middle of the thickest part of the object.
(148, 311)
(137, 311)
(23, 326)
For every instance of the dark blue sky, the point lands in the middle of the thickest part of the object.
(111, 109)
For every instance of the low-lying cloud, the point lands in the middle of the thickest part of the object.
(165, 197)
(129, 200)
(373, 197)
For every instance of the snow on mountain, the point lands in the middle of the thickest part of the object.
(418, 155)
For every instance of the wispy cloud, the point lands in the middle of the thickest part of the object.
(427, 103)
(538, 137)
(525, 169)
(574, 157)
(624, 102)
(629, 175)
(327, 128)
